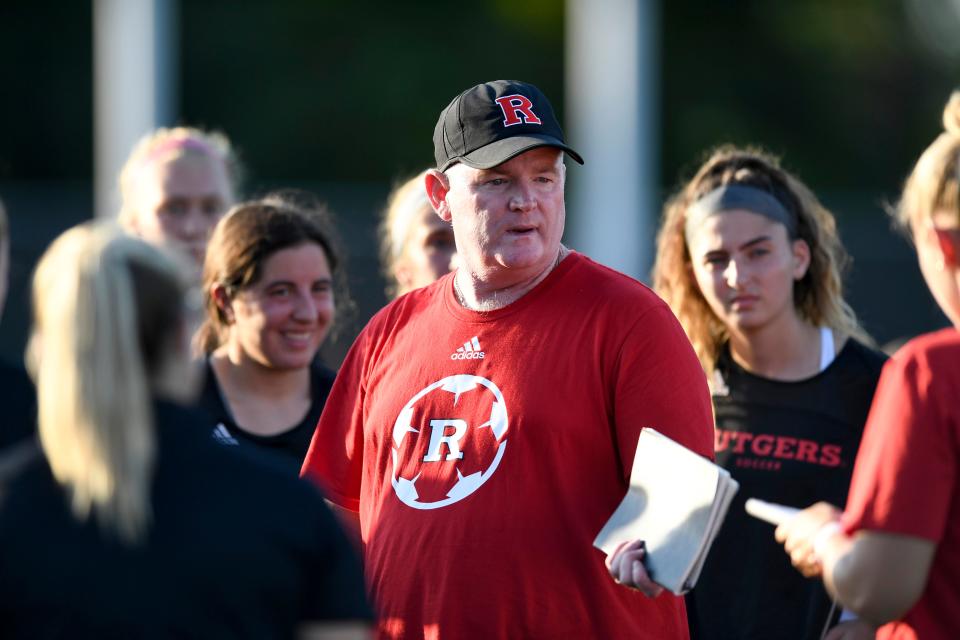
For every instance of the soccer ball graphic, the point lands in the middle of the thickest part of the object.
(448, 440)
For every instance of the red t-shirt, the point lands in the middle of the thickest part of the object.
(906, 477)
(484, 452)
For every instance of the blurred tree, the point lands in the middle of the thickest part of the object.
(334, 91)
(846, 90)
(46, 95)
(338, 91)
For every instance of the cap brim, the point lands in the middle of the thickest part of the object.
(500, 151)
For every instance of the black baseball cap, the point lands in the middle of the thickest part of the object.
(492, 122)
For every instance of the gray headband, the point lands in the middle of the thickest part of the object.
(739, 196)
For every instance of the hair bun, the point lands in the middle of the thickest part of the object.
(951, 114)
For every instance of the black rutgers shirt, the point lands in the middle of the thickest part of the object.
(792, 443)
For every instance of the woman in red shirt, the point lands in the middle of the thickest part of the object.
(893, 555)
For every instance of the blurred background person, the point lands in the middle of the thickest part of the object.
(272, 284)
(416, 245)
(893, 555)
(17, 396)
(751, 263)
(175, 187)
(129, 522)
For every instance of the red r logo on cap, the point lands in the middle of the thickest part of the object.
(517, 109)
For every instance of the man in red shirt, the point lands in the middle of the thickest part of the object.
(484, 427)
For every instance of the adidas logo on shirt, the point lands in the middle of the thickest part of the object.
(469, 351)
(221, 435)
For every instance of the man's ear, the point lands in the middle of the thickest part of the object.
(221, 298)
(437, 185)
(801, 259)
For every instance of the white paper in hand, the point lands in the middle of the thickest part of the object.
(675, 503)
(775, 514)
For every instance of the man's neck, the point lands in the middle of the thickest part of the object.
(486, 294)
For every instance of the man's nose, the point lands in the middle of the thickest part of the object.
(523, 198)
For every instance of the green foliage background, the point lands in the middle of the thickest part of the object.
(342, 97)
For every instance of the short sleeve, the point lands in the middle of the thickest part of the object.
(660, 384)
(334, 460)
(906, 467)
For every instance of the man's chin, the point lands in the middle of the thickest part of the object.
(527, 257)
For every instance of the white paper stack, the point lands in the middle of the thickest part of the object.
(676, 503)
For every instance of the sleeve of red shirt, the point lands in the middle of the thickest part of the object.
(334, 460)
(906, 466)
(661, 384)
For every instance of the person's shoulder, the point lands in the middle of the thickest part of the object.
(187, 426)
(209, 401)
(938, 347)
(604, 285)
(397, 316)
(186, 444)
(864, 357)
(404, 307)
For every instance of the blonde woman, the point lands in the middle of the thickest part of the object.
(893, 555)
(129, 522)
(175, 187)
(416, 246)
(751, 263)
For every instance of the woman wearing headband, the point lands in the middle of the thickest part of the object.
(127, 521)
(893, 555)
(175, 186)
(751, 263)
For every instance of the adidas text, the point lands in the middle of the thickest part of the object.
(469, 351)
(472, 355)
